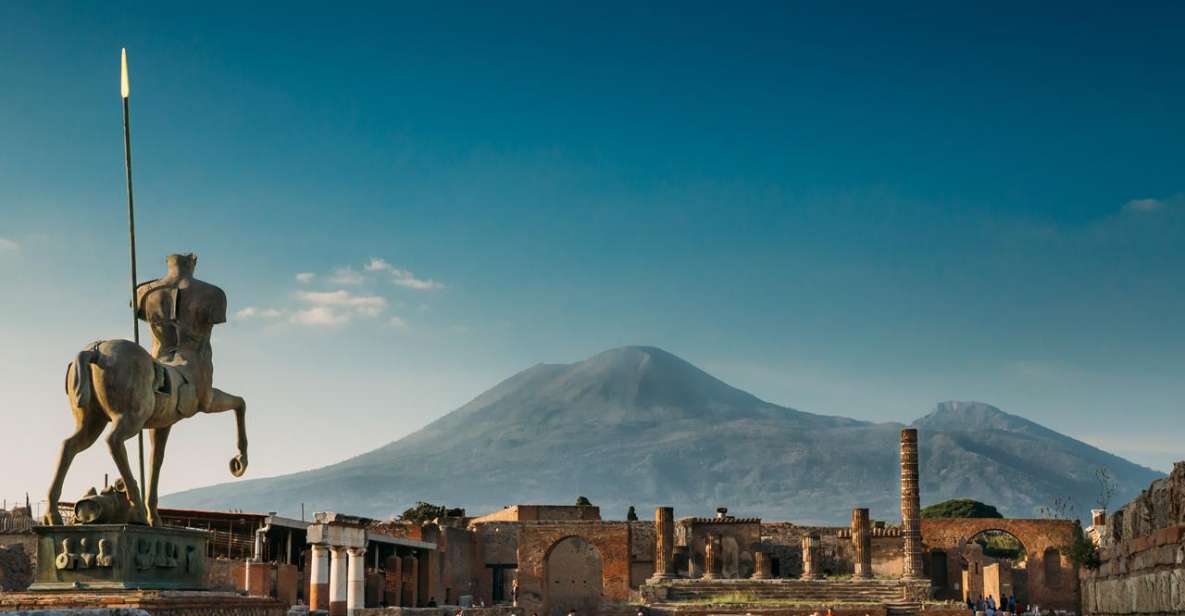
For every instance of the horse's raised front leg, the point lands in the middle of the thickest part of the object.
(160, 437)
(123, 429)
(88, 426)
(221, 401)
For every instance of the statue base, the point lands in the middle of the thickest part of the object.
(120, 557)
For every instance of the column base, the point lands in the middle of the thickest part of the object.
(808, 578)
(661, 577)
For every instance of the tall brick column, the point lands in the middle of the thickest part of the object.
(664, 543)
(338, 582)
(810, 557)
(319, 578)
(911, 506)
(861, 544)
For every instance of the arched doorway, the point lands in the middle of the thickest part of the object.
(573, 573)
(939, 571)
(994, 562)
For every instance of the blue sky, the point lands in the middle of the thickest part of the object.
(850, 209)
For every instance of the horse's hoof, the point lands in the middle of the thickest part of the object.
(238, 465)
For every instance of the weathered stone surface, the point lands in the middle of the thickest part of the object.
(120, 556)
(1143, 569)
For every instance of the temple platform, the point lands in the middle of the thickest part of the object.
(785, 597)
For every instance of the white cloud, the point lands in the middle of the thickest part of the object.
(402, 277)
(378, 265)
(251, 312)
(398, 323)
(7, 245)
(346, 275)
(1144, 205)
(305, 277)
(320, 316)
(370, 305)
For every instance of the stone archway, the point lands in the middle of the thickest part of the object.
(536, 542)
(573, 571)
(999, 559)
(1037, 536)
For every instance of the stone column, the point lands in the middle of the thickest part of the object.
(810, 557)
(664, 544)
(760, 566)
(356, 580)
(319, 577)
(337, 581)
(711, 566)
(911, 507)
(861, 544)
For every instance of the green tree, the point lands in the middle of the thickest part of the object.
(961, 508)
(582, 501)
(423, 512)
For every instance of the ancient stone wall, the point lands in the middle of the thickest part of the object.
(609, 540)
(540, 513)
(1142, 569)
(459, 565)
(783, 542)
(1051, 579)
(738, 538)
(643, 540)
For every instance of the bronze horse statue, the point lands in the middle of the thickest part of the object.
(118, 382)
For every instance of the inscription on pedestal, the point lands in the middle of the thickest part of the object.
(120, 556)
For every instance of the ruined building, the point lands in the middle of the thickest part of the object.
(548, 560)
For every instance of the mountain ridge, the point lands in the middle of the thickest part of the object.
(638, 425)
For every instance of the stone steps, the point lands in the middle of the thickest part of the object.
(807, 590)
(903, 608)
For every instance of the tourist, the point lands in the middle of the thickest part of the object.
(431, 601)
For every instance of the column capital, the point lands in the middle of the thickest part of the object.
(356, 552)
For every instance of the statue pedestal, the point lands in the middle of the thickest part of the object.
(119, 556)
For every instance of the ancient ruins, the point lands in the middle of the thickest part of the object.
(557, 559)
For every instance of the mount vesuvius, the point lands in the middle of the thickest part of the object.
(640, 426)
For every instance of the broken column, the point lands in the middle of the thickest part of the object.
(319, 577)
(861, 544)
(810, 557)
(711, 558)
(338, 538)
(911, 523)
(761, 569)
(664, 543)
(356, 580)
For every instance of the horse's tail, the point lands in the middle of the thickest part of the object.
(79, 389)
